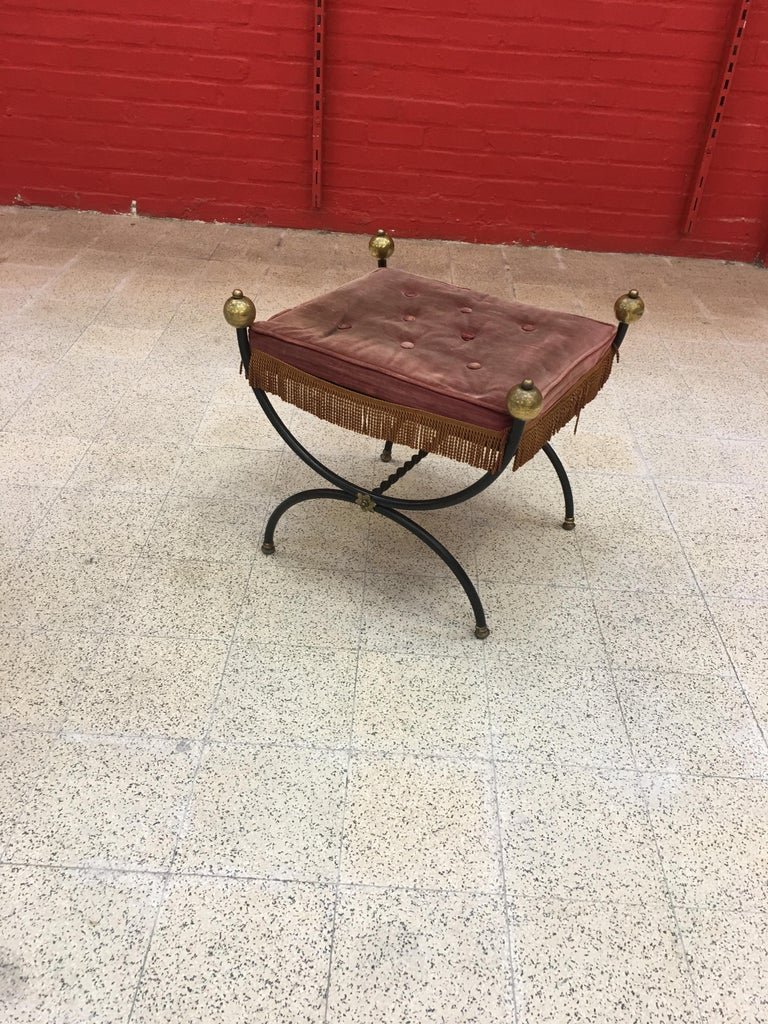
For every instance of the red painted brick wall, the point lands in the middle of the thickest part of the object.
(572, 122)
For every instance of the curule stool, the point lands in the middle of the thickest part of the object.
(421, 363)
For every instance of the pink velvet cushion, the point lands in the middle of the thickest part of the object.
(431, 346)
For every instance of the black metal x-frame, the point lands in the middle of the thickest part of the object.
(376, 500)
(239, 311)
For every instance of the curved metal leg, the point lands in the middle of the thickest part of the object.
(481, 629)
(569, 523)
(268, 547)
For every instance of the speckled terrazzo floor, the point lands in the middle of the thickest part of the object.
(238, 789)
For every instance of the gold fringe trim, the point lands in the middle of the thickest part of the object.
(540, 430)
(413, 428)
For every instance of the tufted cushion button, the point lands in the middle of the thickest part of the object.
(528, 327)
(473, 366)
(406, 344)
(465, 309)
(409, 317)
(344, 326)
(409, 293)
(467, 336)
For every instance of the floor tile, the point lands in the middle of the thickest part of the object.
(418, 615)
(547, 623)
(660, 632)
(691, 723)
(730, 566)
(119, 625)
(99, 340)
(585, 963)
(529, 499)
(238, 952)
(231, 473)
(23, 510)
(23, 372)
(420, 704)
(743, 627)
(555, 713)
(322, 534)
(118, 464)
(242, 426)
(391, 549)
(213, 529)
(23, 757)
(577, 833)
(97, 523)
(528, 555)
(293, 476)
(480, 267)
(640, 561)
(267, 812)
(420, 823)
(136, 417)
(592, 450)
(62, 415)
(147, 686)
(61, 590)
(40, 676)
(611, 506)
(409, 956)
(105, 804)
(285, 693)
(73, 943)
(182, 598)
(716, 509)
(704, 459)
(713, 838)
(728, 956)
(321, 607)
(36, 461)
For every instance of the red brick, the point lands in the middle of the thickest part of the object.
(563, 124)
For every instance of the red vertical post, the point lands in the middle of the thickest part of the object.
(317, 105)
(713, 126)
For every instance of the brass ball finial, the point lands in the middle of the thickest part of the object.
(630, 307)
(382, 245)
(524, 402)
(239, 310)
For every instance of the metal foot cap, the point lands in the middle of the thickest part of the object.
(569, 523)
(385, 457)
(268, 549)
(481, 632)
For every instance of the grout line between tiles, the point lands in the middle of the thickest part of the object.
(687, 963)
(705, 599)
(187, 805)
(345, 806)
(499, 839)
